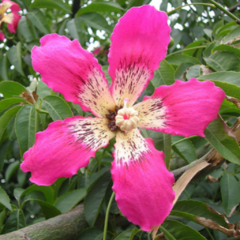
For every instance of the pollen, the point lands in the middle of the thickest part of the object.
(127, 118)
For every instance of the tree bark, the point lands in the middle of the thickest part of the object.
(63, 227)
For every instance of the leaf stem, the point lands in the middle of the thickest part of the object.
(203, 4)
(41, 111)
(219, 6)
(106, 218)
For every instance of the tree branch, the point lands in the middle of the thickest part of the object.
(75, 7)
(63, 227)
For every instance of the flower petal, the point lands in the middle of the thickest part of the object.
(4, 6)
(139, 42)
(1, 36)
(141, 181)
(12, 26)
(64, 147)
(69, 69)
(13, 6)
(184, 108)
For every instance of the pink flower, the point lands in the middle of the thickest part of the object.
(12, 18)
(141, 181)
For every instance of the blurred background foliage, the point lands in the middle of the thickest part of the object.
(205, 45)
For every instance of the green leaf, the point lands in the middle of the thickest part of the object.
(184, 149)
(167, 149)
(47, 191)
(11, 88)
(17, 192)
(230, 190)
(189, 209)
(167, 234)
(63, 26)
(179, 59)
(4, 147)
(194, 72)
(26, 125)
(74, 27)
(48, 209)
(164, 75)
(228, 81)
(6, 103)
(224, 61)
(38, 19)
(135, 3)
(96, 21)
(222, 142)
(50, 4)
(15, 57)
(181, 70)
(100, 7)
(92, 233)
(11, 170)
(176, 230)
(232, 35)
(92, 178)
(57, 108)
(68, 201)
(191, 45)
(128, 234)
(95, 197)
(43, 90)
(3, 215)
(217, 26)
(4, 67)
(25, 29)
(7, 117)
(228, 48)
(4, 199)
(15, 221)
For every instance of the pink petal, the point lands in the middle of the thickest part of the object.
(139, 42)
(64, 147)
(14, 6)
(12, 27)
(1, 36)
(69, 69)
(141, 181)
(184, 108)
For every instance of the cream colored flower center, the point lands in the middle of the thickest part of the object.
(126, 118)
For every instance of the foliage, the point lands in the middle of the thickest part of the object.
(203, 48)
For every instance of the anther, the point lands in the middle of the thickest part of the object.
(126, 118)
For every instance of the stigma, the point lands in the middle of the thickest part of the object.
(126, 118)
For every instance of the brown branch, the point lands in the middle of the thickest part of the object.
(63, 227)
